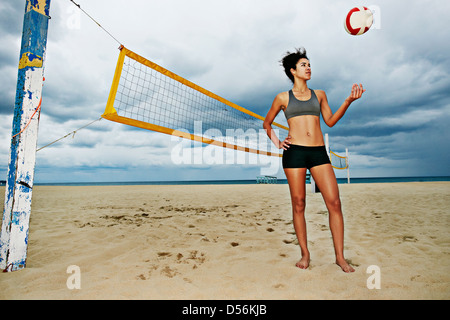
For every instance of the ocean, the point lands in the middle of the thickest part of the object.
(224, 182)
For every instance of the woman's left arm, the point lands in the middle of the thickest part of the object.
(328, 117)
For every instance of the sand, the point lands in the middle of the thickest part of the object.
(232, 242)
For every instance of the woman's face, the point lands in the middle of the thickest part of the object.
(303, 70)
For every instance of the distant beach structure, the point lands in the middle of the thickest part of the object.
(266, 179)
(274, 180)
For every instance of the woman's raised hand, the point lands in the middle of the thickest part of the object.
(356, 93)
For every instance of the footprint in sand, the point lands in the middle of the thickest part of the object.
(376, 215)
(141, 277)
(164, 254)
(167, 261)
(409, 239)
(168, 272)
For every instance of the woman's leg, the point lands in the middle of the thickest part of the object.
(296, 180)
(326, 181)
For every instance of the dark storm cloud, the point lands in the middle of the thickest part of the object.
(9, 13)
(11, 21)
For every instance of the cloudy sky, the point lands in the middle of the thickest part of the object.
(232, 48)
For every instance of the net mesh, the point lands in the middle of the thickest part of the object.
(338, 162)
(145, 93)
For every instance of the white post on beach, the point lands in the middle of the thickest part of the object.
(19, 182)
(348, 165)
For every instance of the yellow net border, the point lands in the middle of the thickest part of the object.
(112, 115)
(340, 157)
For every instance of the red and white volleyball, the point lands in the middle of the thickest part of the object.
(358, 21)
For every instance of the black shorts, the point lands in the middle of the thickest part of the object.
(304, 157)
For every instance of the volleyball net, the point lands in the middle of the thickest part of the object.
(146, 95)
(338, 162)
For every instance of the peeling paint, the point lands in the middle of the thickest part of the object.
(39, 6)
(29, 59)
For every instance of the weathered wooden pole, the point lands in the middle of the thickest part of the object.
(19, 182)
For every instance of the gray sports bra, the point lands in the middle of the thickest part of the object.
(297, 107)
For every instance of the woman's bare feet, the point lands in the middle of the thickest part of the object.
(303, 263)
(347, 268)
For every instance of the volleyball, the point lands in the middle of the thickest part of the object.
(358, 21)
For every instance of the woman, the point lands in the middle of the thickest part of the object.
(304, 149)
